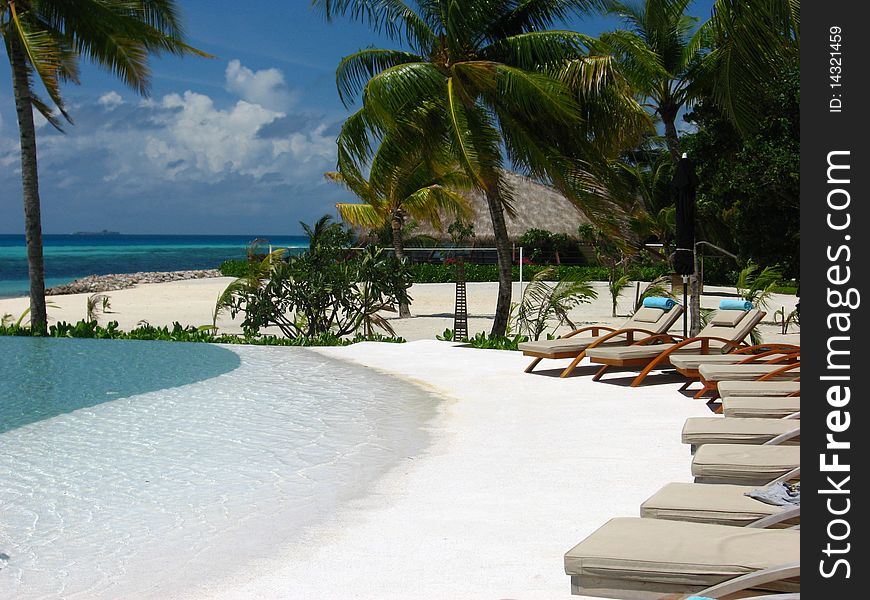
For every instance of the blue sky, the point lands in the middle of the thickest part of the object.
(232, 145)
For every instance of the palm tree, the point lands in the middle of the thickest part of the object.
(481, 78)
(46, 39)
(659, 55)
(753, 42)
(425, 190)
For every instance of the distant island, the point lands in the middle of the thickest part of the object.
(103, 232)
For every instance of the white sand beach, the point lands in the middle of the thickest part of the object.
(519, 469)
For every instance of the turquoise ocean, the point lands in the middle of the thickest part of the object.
(68, 257)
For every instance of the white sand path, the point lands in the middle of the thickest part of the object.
(521, 468)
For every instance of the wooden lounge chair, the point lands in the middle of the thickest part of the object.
(728, 389)
(725, 332)
(639, 559)
(688, 365)
(712, 374)
(762, 407)
(744, 464)
(698, 431)
(644, 322)
(718, 504)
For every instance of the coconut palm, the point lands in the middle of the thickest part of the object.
(480, 78)
(44, 41)
(753, 42)
(424, 190)
(659, 55)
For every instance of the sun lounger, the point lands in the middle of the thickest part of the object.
(711, 374)
(769, 407)
(698, 431)
(728, 389)
(719, 504)
(725, 332)
(644, 322)
(744, 464)
(688, 364)
(634, 558)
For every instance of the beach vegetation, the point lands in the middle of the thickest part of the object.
(548, 247)
(489, 82)
(328, 289)
(181, 333)
(545, 304)
(402, 185)
(484, 341)
(95, 305)
(45, 42)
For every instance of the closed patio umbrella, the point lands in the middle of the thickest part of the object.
(684, 185)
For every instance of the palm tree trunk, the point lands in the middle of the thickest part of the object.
(30, 186)
(669, 117)
(505, 260)
(399, 247)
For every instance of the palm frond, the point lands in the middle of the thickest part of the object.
(355, 70)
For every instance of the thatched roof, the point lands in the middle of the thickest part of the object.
(537, 207)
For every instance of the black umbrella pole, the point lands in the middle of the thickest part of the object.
(685, 312)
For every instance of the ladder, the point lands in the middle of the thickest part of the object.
(460, 313)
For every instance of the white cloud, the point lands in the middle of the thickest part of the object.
(110, 100)
(265, 87)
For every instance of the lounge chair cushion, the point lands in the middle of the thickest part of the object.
(727, 318)
(570, 344)
(721, 504)
(693, 361)
(743, 464)
(771, 407)
(745, 372)
(757, 388)
(718, 430)
(653, 555)
(648, 314)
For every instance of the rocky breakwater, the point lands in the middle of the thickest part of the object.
(106, 283)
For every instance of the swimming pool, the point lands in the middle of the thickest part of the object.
(147, 464)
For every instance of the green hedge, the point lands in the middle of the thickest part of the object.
(180, 333)
(440, 273)
(234, 267)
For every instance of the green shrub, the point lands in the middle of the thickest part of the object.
(441, 273)
(483, 341)
(180, 333)
(328, 289)
(235, 267)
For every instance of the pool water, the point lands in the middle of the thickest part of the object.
(163, 464)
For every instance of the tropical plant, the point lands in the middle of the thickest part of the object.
(483, 79)
(659, 55)
(97, 304)
(617, 283)
(753, 42)
(328, 289)
(546, 305)
(45, 40)
(401, 185)
(757, 287)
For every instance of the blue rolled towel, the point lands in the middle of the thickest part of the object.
(735, 305)
(659, 302)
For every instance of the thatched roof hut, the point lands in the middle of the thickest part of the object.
(537, 207)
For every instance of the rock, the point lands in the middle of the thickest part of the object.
(105, 283)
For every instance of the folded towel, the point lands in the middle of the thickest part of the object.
(778, 494)
(735, 305)
(659, 302)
